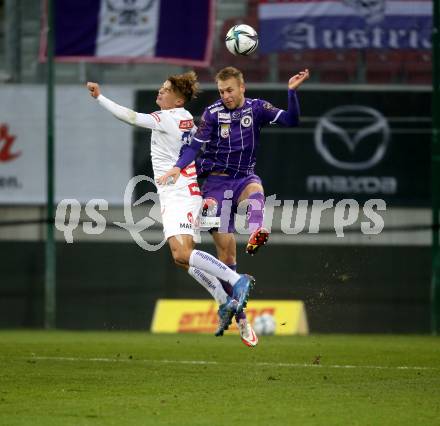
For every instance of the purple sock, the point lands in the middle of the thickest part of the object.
(240, 316)
(255, 214)
(226, 286)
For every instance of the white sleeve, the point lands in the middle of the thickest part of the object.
(128, 115)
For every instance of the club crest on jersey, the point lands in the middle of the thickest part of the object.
(224, 130)
(246, 121)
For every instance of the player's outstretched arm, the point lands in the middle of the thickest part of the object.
(290, 118)
(298, 79)
(121, 113)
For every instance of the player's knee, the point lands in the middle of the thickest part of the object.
(181, 257)
(254, 187)
(250, 189)
(227, 258)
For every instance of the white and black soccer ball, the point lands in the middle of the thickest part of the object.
(242, 40)
(264, 325)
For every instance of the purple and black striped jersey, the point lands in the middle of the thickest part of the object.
(231, 138)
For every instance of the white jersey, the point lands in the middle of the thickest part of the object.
(171, 130)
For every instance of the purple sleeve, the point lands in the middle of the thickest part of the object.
(290, 118)
(205, 128)
(268, 113)
(188, 154)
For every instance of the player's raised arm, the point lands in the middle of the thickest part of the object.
(124, 114)
(298, 79)
(290, 118)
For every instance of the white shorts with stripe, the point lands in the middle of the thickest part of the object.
(180, 208)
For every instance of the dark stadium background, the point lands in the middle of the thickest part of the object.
(356, 286)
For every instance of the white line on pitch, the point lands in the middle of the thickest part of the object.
(202, 362)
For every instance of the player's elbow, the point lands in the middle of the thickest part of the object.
(288, 121)
(295, 122)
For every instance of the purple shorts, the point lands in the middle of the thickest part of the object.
(221, 188)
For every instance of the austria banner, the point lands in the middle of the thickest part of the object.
(179, 32)
(345, 24)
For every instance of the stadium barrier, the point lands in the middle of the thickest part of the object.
(200, 316)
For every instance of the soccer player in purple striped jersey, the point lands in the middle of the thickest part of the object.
(227, 140)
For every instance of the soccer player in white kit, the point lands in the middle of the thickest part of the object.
(181, 201)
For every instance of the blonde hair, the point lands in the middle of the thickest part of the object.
(185, 85)
(229, 72)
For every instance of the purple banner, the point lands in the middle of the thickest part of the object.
(345, 24)
(132, 31)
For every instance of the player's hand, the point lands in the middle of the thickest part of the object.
(170, 177)
(298, 79)
(94, 89)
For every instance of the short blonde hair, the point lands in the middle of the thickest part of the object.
(229, 72)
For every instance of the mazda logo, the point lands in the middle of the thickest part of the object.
(352, 125)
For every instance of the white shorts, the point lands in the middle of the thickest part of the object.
(180, 208)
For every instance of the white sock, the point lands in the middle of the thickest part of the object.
(212, 284)
(204, 261)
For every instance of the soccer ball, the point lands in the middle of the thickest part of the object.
(264, 325)
(242, 40)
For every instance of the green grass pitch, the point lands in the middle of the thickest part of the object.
(124, 378)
